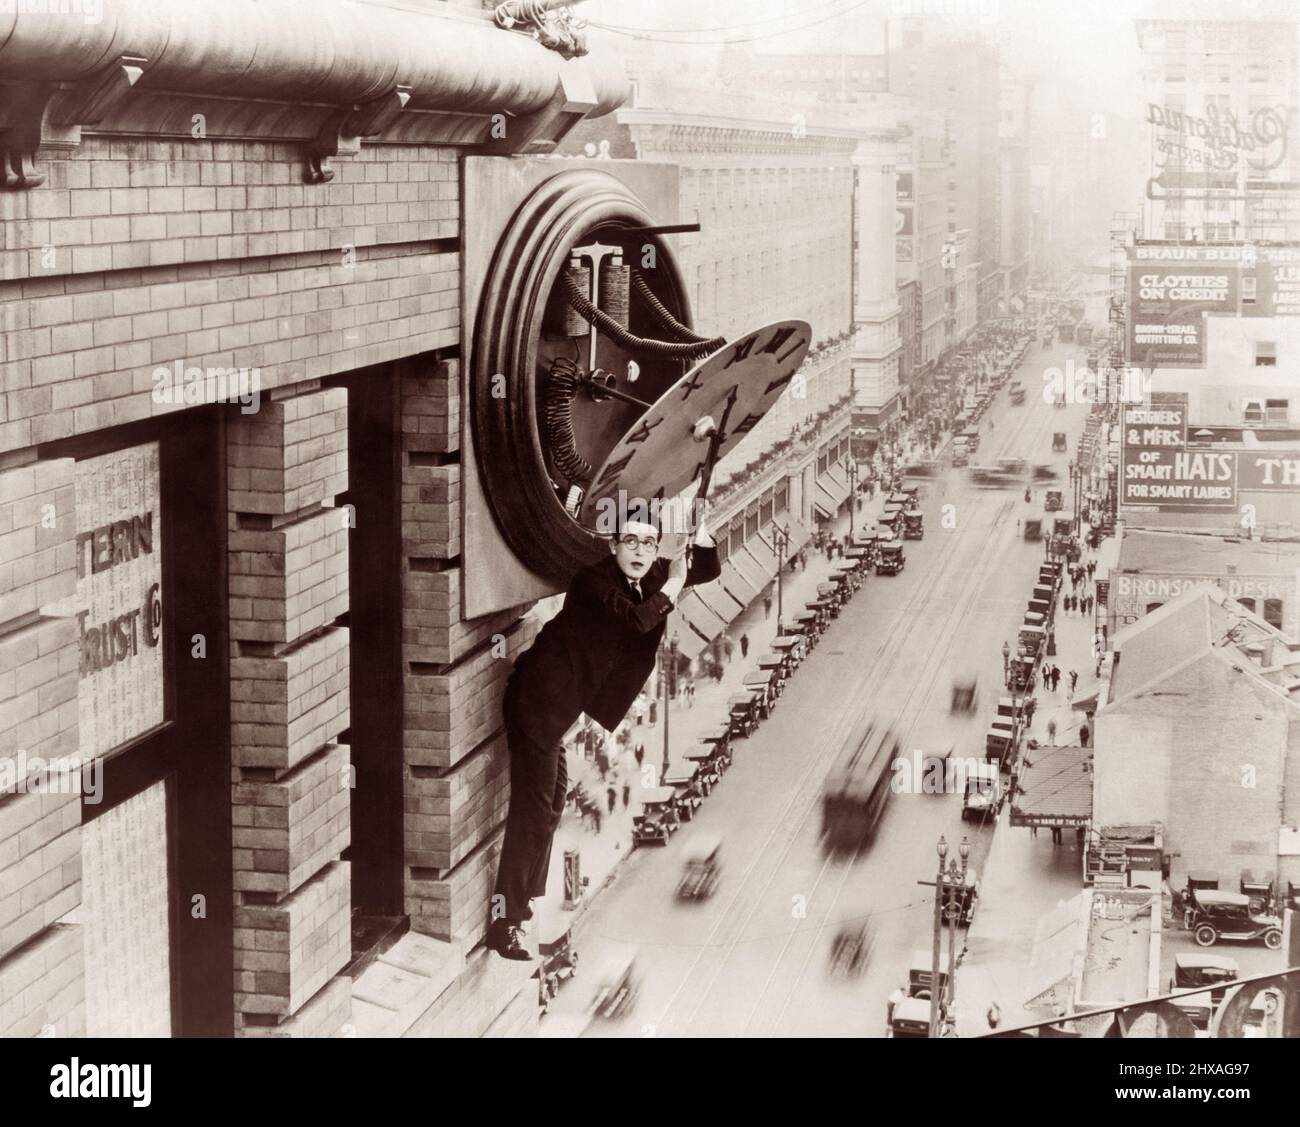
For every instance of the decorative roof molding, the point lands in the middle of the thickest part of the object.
(326, 73)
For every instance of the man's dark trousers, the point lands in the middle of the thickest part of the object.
(539, 782)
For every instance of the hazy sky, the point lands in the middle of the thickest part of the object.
(1088, 49)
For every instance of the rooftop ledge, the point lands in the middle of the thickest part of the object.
(324, 72)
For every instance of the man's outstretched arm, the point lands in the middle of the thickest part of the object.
(607, 592)
(705, 565)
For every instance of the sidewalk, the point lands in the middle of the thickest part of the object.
(600, 853)
(1026, 874)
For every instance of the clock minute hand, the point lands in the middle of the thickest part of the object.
(716, 434)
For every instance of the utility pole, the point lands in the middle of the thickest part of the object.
(851, 470)
(670, 679)
(781, 537)
(948, 883)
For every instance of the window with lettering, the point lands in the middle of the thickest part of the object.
(118, 603)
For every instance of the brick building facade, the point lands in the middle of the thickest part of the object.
(1199, 730)
(195, 203)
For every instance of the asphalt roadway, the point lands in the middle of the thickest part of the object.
(754, 959)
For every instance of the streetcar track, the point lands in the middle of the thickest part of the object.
(845, 721)
(850, 724)
(847, 724)
(934, 663)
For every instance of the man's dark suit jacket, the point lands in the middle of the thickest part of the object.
(595, 655)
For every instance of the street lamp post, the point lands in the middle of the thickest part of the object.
(947, 885)
(781, 537)
(670, 680)
(851, 470)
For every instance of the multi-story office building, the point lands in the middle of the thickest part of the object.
(1224, 134)
(795, 198)
(1015, 199)
(952, 71)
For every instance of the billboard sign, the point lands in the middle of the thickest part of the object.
(1131, 594)
(1158, 472)
(1268, 471)
(1168, 301)
(1172, 288)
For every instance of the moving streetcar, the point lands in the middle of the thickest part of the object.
(857, 789)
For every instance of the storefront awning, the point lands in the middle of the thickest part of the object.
(749, 569)
(762, 555)
(725, 599)
(1055, 788)
(694, 623)
(832, 489)
(740, 588)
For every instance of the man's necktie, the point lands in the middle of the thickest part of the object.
(636, 588)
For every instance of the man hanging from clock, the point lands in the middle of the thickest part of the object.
(593, 657)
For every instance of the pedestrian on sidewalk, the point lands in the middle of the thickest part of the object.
(611, 796)
(1092, 568)
(1084, 733)
(744, 646)
(1056, 835)
(1031, 706)
(595, 815)
(767, 607)
(1056, 677)
(1074, 679)
(639, 754)
(1006, 659)
(1051, 731)
(729, 646)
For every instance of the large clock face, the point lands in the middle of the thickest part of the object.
(669, 447)
(565, 415)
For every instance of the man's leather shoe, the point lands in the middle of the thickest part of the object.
(506, 940)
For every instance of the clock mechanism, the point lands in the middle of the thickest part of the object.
(591, 394)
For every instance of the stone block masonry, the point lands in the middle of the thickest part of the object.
(42, 982)
(127, 261)
(139, 262)
(289, 676)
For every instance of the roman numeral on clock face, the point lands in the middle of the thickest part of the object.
(693, 384)
(642, 431)
(779, 338)
(740, 351)
(748, 423)
(610, 474)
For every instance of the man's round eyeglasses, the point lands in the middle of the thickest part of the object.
(631, 543)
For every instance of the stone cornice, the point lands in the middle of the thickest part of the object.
(325, 72)
(712, 137)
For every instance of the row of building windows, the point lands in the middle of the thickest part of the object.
(760, 514)
(1270, 612)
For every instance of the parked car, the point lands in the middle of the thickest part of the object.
(1212, 915)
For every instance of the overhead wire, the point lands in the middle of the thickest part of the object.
(720, 27)
(741, 39)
